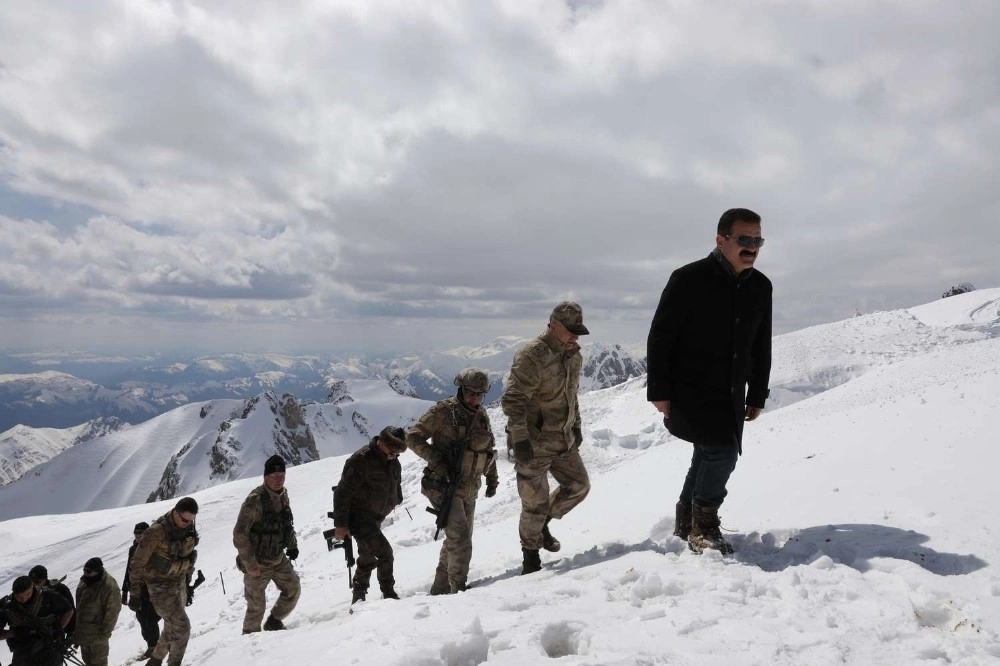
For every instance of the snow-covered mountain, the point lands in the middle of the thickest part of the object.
(204, 444)
(22, 448)
(862, 517)
(138, 390)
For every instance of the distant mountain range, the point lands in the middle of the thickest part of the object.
(67, 389)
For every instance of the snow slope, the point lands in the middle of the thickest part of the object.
(862, 519)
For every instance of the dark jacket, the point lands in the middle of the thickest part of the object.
(709, 350)
(126, 583)
(35, 623)
(369, 488)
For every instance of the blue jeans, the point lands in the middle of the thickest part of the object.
(708, 475)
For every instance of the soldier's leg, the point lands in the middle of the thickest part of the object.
(383, 552)
(169, 600)
(533, 487)
(287, 580)
(687, 490)
(458, 542)
(149, 621)
(717, 464)
(574, 483)
(95, 654)
(255, 593)
(366, 562)
(440, 584)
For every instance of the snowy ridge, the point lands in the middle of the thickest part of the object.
(22, 448)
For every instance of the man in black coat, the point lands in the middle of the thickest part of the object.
(709, 358)
(149, 621)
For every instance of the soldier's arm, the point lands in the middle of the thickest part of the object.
(492, 478)
(423, 430)
(112, 607)
(249, 514)
(347, 488)
(293, 540)
(525, 377)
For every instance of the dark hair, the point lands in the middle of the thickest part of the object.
(39, 573)
(186, 505)
(21, 584)
(733, 215)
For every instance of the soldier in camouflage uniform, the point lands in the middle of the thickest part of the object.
(162, 565)
(265, 538)
(543, 422)
(98, 603)
(369, 488)
(460, 432)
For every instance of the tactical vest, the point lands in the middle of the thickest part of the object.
(272, 532)
(174, 558)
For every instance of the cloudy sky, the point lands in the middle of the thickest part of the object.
(387, 175)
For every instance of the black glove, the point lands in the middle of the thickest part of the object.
(190, 598)
(491, 489)
(577, 437)
(522, 452)
(292, 553)
(135, 602)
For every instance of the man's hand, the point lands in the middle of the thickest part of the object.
(577, 437)
(752, 413)
(522, 452)
(292, 553)
(341, 533)
(190, 595)
(663, 407)
(135, 602)
(491, 489)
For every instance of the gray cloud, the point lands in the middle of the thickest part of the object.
(260, 174)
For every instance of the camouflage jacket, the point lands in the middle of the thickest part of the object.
(448, 424)
(541, 396)
(97, 608)
(264, 528)
(166, 554)
(369, 487)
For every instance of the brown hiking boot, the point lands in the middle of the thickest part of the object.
(532, 562)
(549, 542)
(273, 624)
(682, 520)
(705, 531)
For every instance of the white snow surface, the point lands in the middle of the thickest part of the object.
(863, 517)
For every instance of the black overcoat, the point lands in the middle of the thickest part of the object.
(709, 350)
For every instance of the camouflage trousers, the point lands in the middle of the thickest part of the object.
(95, 654)
(169, 599)
(374, 552)
(254, 588)
(456, 551)
(537, 504)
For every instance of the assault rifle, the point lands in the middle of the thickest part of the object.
(191, 588)
(45, 631)
(452, 458)
(333, 542)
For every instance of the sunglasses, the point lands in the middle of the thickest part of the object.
(747, 241)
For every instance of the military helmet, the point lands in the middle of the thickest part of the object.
(473, 379)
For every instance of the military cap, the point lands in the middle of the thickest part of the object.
(394, 439)
(570, 315)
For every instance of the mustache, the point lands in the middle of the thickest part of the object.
(747, 253)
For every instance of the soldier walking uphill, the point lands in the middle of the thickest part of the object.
(368, 490)
(543, 422)
(162, 565)
(265, 538)
(461, 452)
(149, 621)
(98, 603)
(37, 621)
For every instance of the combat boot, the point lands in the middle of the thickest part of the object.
(388, 592)
(532, 562)
(273, 624)
(705, 532)
(153, 661)
(682, 520)
(549, 542)
(359, 594)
